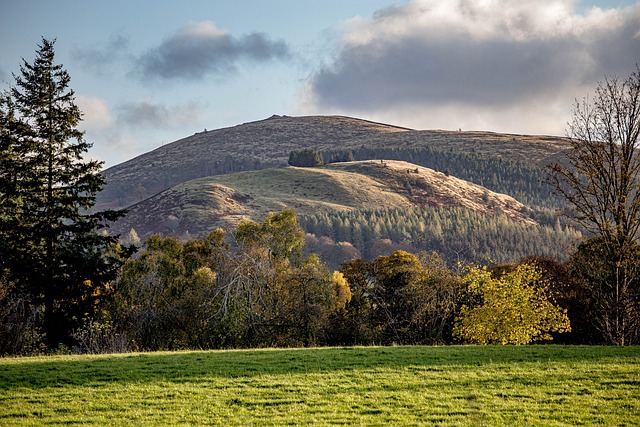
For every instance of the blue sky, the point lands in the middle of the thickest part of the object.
(149, 73)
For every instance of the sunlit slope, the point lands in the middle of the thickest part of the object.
(198, 206)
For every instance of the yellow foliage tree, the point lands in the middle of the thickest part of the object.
(512, 309)
(341, 289)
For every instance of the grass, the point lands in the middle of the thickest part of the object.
(403, 386)
(224, 200)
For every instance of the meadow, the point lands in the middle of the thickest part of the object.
(368, 386)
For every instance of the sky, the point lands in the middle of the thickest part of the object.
(149, 73)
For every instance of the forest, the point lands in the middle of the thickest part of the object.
(457, 234)
(397, 276)
(526, 182)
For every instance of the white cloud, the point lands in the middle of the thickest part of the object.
(127, 129)
(509, 65)
(96, 114)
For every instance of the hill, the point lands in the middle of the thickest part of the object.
(267, 144)
(478, 196)
(198, 206)
(249, 146)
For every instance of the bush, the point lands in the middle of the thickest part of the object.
(98, 337)
(20, 322)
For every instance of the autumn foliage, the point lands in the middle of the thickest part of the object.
(514, 308)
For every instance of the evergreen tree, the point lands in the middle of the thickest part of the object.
(49, 243)
(307, 157)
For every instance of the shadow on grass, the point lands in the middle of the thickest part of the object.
(59, 371)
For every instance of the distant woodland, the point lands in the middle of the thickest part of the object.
(527, 182)
(457, 234)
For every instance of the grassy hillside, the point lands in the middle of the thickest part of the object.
(249, 146)
(218, 178)
(267, 143)
(198, 206)
(448, 386)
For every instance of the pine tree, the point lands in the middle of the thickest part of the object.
(49, 242)
(306, 158)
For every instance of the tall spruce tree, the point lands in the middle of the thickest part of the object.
(50, 244)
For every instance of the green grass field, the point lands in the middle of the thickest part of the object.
(390, 386)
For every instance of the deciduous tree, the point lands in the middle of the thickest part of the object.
(512, 309)
(608, 315)
(602, 186)
(166, 298)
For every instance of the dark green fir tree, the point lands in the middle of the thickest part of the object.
(52, 248)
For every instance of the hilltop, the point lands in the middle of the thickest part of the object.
(250, 146)
(267, 143)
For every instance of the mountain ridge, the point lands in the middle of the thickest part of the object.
(267, 143)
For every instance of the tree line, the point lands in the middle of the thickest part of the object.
(255, 288)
